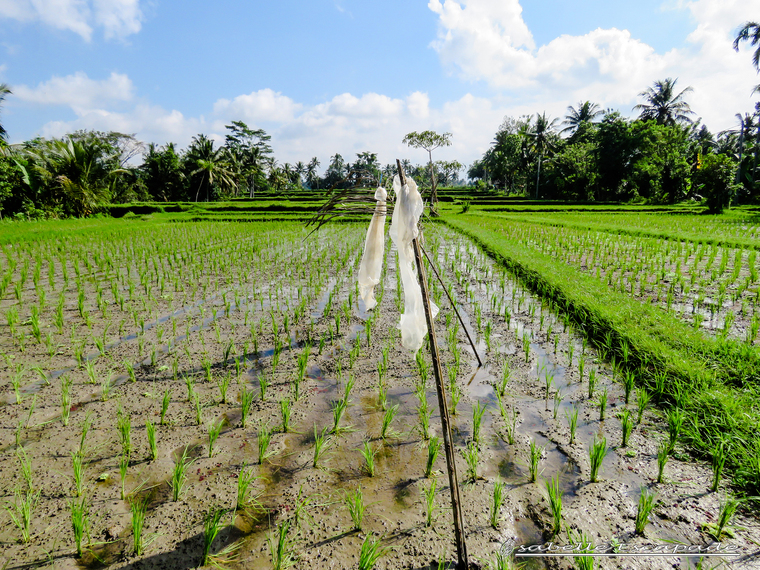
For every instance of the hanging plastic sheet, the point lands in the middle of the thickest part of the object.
(406, 214)
(374, 249)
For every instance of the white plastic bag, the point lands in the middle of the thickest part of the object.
(374, 249)
(406, 214)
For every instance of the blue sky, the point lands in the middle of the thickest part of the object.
(346, 76)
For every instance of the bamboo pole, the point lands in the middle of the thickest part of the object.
(451, 467)
(453, 306)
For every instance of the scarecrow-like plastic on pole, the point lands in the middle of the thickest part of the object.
(419, 311)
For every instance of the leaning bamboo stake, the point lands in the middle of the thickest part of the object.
(451, 467)
(453, 306)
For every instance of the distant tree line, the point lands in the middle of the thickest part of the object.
(662, 156)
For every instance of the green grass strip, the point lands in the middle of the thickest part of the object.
(715, 385)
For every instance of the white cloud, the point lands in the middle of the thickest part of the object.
(117, 18)
(487, 40)
(259, 106)
(78, 91)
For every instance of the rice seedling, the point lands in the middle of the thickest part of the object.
(223, 383)
(718, 463)
(557, 403)
(663, 453)
(505, 375)
(285, 411)
(214, 429)
(151, 431)
(212, 525)
(369, 458)
(165, 405)
(263, 440)
(386, 431)
(190, 385)
(78, 465)
(626, 423)
(591, 382)
(21, 511)
(179, 475)
(263, 385)
(548, 383)
(124, 425)
(321, 444)
(554, 494)
(642, 401)
(371, 552)
(510, 420)
(602, 402)
(722, 526)
(123, 468)
(675, 419)
(282, 547)
(477, 419)
(428, 496)
(647, 503)
(198, 407)
(497, 500)
(423, 413)
(434, 448)
(585, 547)
(246, 401)
(597, 451)
(26, 467)
(456, 395)
(80, 522)
(355, 504)
(471, 457)
(628, 384)
(534, 458)
(526, 345)
(139, 508)
(581, 367)
(105, 387)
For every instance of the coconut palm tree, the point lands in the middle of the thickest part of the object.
(541, 138)
(79, 169)
(750, 32)
(311, 172)
(585, 113)
(4, 91)
(663, 105)
(211, 166)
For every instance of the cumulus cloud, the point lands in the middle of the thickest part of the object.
(259, 106)
(488, 41)
(78, 91)
(117, 18)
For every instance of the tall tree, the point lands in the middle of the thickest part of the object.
(750, 32)
(311, 172)
(541, 136)
(586, 112)
(252, 153)
(662, 104)
(429, 141)
(4, 92)
(209, 166)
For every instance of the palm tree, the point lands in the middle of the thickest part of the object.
(80, 169)
(663, 105)
(311, 172)
(750, 32)
(4, 91)
(212, 165)
(541, 138)
(585, 113)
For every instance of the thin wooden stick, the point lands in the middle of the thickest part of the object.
(456, 506)
(453, 306)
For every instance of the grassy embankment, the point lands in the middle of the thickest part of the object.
(714, 381)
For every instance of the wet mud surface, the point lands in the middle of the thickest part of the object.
(297, 314)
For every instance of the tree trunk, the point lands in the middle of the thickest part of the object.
(538, 174)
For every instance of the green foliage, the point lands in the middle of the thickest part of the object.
(715, 181)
